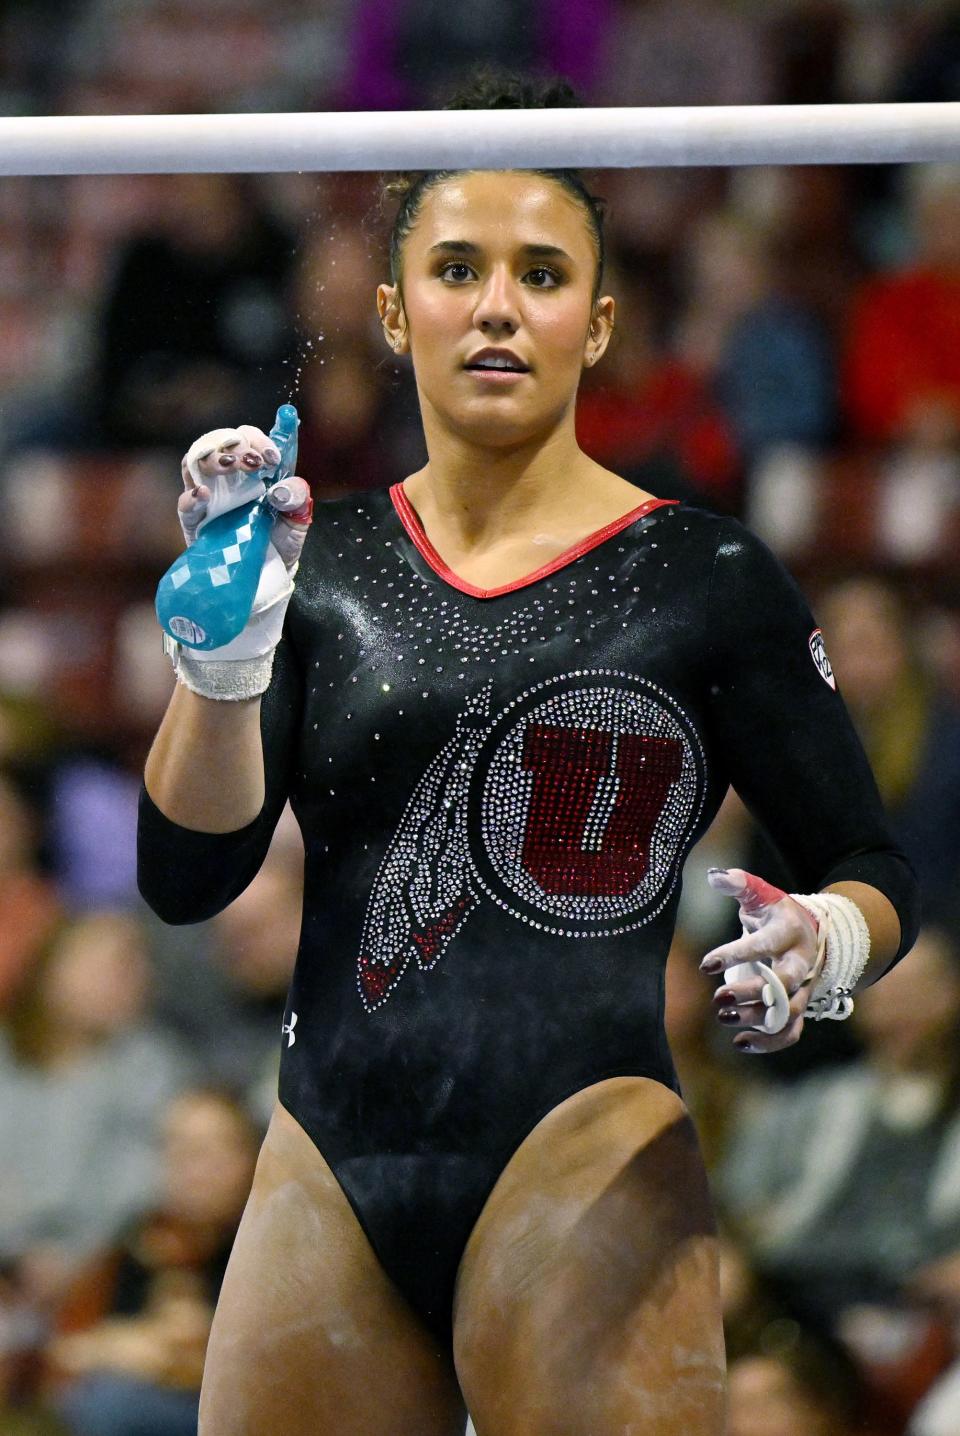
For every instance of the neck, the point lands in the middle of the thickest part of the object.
(481, 498)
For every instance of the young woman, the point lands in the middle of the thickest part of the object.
(509, 696)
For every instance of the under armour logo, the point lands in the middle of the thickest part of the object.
(287, 1029)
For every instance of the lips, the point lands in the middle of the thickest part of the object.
(497, 361)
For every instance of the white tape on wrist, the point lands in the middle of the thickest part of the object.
(230, 680)
(842, 953)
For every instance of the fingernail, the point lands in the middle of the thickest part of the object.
(711, 964)
(272, 454)
(724, 995)
(281, 495)
(729, 1014)
(745, 1046)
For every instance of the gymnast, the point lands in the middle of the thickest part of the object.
(508, 697)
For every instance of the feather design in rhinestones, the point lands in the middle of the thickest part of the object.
(423, 893)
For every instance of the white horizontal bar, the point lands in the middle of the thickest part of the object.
(490, 139)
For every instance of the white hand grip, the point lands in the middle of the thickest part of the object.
(775, 997)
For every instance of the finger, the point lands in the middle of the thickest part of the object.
(229, 458)
(294, 504)
(291, 498)
(765, 1001)
(192, 509)
(753, 893)
(732, 1013)
(193, 498)
(757, 1043)
(746, 982)
(757, 946)
(205, 456)
(262, 444)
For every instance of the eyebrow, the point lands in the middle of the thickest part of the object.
(531, 251)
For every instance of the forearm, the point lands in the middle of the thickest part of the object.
(882, 922)
(205, 768)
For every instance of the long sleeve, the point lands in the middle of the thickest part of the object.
(784, 733)
(187, 876)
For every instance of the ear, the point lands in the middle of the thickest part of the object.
(601, 328)
(392, 317)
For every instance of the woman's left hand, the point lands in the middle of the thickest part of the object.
(777, 932)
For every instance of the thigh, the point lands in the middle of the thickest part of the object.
(588, 1298)
(310, 1336)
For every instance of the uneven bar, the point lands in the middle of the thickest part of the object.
(616, 138)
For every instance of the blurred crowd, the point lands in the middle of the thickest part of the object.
(787, 350)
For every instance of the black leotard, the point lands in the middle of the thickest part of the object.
(497, 791)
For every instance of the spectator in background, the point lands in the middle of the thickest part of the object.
(903, 351)
(342, 399)
(92, 824)
(909, 727)
(335, 262)
(805, 1387)
(847, 1182)
(409, 54)
(23, 1410)
(653, 418)
(931, 68)
(772, 367)
(676, 52)
(135, 1323)
(83, 1078)
(348, 395)
(29, 910)
(193, 324)
(683, 52)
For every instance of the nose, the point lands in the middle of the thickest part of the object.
(497, 308)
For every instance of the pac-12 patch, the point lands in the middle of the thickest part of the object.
(818, 653)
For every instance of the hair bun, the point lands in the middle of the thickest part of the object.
(489, 87)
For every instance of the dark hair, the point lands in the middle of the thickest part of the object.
(492, 89)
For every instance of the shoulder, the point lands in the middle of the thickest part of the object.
(693, 526)
(743, 560)
(723, 540)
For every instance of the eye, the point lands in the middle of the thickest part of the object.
(456, 271)
(544, 278)
(446, 271)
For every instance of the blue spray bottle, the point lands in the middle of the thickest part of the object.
(205, 597)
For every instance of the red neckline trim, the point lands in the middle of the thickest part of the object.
(414, 528)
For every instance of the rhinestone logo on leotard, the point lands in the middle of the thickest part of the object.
(580, 801)
(570, 809)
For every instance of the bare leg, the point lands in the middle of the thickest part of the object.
(588, 1299)
(310, 1337)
